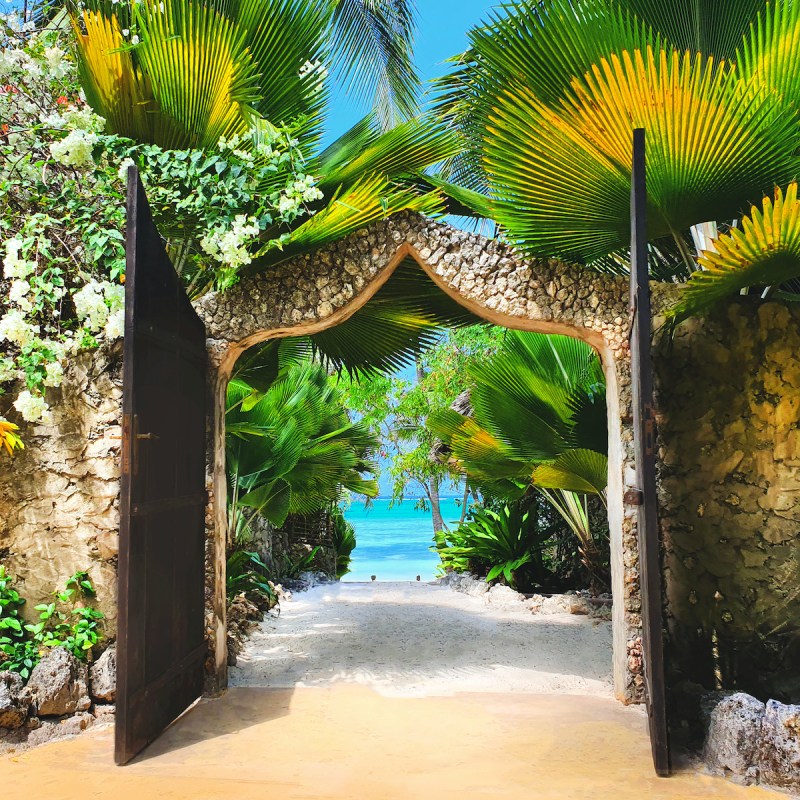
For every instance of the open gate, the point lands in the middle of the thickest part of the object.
(645, 453)
(161, 634)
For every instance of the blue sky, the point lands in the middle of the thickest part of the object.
(442, 33)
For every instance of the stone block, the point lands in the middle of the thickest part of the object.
(58, 684)
(734, 734)
(779, 753)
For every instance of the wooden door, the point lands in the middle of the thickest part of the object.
(161, 634)
(645, 453)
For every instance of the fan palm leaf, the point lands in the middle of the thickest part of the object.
(294, 449)
(765, 252)
(548, 93)
(562, 176)
(527, 413)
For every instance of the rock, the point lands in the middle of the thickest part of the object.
(15, 700)
(59, 684)
(50, 730)
(779, 754)
(733, 737)
(103, 676)
(465, 583)
(104, 713)
(505, 598)
(565, 604)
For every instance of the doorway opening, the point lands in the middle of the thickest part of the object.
(441, 416)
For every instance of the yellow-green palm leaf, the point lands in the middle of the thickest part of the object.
(770, 54)
(370, 199)
(764, 252)
(188, 81)
(114, 86)
(561, 176)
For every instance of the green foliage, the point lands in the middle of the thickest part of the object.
(292, 449)
(538, 420)
(293, 568)
(68, 622)
(547, 97)
(265, 65)
(247, 573)
(10, 605)
(538, 416)
(397, 409)
(344, 541)
(505, 541)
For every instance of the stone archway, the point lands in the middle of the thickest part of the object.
(316, 291)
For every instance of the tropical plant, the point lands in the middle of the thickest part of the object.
(292, 448)
(505, 540)
(344, 541)
(548, 95)
(246, 573)
(184, 74)
(396, 408)
(68, 622)
(293, 567)
(538, 419)
(10, 605)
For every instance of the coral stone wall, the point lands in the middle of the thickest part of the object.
(59, 498)
(729, 404)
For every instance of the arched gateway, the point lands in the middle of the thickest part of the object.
(316, 291)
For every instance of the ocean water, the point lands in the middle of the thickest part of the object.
(392, 543)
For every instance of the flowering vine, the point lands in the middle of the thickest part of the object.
(62, 214)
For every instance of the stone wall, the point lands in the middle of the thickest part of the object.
(729, 414)
(59, 497)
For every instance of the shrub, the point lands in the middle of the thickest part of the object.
(344, 542)
(68, 622)
(503, 541)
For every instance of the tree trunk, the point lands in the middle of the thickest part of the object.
(436, 508)
(464, 502)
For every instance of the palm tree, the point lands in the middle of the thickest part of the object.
(538, 422)
(182, 74)
(292, 449)
(548, 95)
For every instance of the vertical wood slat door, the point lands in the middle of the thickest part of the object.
(645, 453)
(161, 638)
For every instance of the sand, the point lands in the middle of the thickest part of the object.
(423, 640)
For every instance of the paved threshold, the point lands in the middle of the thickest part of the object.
(351, 742)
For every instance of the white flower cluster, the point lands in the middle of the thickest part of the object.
(230, 246)
(13, 265)
(32, 407)
(15, 328)
(100, 306)
(75, 149)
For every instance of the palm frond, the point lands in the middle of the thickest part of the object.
(581, 471)
(374, 40)
(764, 252)
(562, 176)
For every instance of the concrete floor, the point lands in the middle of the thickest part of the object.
(351, 742)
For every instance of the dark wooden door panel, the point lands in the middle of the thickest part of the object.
(645, 452)
(161, 641)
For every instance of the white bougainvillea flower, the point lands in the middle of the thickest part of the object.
(75, 149)
(32, 407)
(15, 329)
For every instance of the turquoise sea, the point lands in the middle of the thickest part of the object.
(392, 543)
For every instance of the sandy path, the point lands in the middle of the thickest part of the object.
(416, 639)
